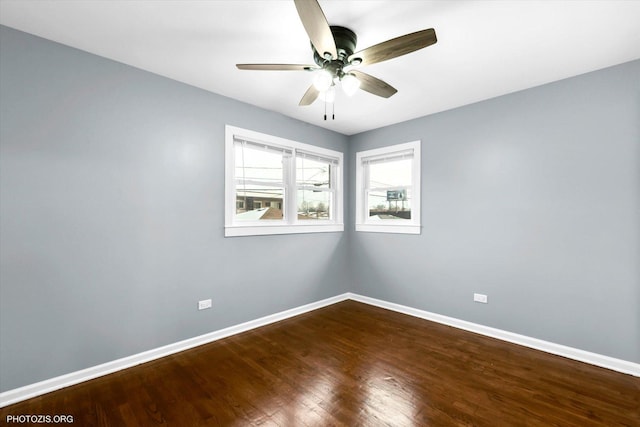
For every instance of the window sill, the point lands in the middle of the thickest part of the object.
(389, 228)
(265, 230)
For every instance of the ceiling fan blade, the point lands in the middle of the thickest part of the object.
(317, 27)
(396, 47)
(309, 96)
(374, 85)
(276, 67)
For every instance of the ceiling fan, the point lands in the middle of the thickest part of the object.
(336, 59)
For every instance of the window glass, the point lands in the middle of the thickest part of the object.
(314, 205)
(389, 189)
(392, 173)
(314, 192)
(255, 163)
(259, 183)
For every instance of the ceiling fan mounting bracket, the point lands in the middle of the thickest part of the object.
(345, 41)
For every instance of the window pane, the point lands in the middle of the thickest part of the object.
(314, 205)
(390, 204)
(389, 196)
(396, 173)
(255, 202)
(258, 165)
(312, 173)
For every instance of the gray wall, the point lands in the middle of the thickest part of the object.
(111, 215)
(531, 198)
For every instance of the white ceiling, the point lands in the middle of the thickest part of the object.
(485, 48)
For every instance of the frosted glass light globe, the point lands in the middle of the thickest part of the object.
(322, 80)
(350, 84)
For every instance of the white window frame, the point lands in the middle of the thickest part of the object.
(401, 226)
(290, 223)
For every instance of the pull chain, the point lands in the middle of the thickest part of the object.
(333, 110)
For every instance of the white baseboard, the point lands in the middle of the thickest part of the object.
(612, 363)
(27, 392)
(32, 390)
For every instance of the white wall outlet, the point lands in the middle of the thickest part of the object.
(480, 298)
(204, 304)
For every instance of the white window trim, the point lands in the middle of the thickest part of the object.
(400, 226)
(292, 225)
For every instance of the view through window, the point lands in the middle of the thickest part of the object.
(314, 189)
(259, 172)
(389, 188)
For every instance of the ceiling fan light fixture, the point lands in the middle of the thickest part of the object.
(350, 84)
(335, 56)
(328, 95)
(323, 80)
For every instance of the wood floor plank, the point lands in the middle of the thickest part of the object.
(351, 364)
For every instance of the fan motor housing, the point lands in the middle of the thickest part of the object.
(345, 40)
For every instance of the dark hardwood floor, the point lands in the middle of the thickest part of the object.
(351, 364)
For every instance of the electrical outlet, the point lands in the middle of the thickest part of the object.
(480, 298)
(204, 304)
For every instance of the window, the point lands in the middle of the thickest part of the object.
(278, 186)
(388, 189)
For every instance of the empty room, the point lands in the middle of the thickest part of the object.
(320, 213)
